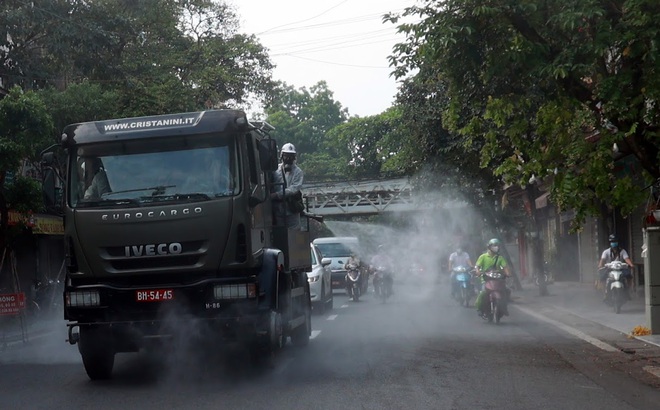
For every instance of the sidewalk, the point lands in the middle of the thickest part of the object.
(13, 334)
(581, 299)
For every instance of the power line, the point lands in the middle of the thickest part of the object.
(302, 21)
(351, 20)
(334, 63)
(334, 47)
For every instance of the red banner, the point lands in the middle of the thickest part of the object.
(12, 303)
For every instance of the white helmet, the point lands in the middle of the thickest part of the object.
(288, 148)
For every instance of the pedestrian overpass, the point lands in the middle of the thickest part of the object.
(361, 197)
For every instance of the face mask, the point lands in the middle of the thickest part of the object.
(495, 249)
(614, 244)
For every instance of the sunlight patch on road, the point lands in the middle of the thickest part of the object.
(314, 334)
(332, 317)
(344, 306)
(654, 370)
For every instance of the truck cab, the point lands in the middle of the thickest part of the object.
(169, 220)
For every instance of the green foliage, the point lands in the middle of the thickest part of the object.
(303, 117)
(155, 56)
(543, 90)
(25, 128)
(369, 147)
(23, 195)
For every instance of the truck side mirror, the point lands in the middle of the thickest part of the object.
(47, 159)
(268, 154)
(51, 193)
(48, 188)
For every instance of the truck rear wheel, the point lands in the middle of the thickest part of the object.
(97, 351)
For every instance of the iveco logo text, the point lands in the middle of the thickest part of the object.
(150, 214)
(173, 248)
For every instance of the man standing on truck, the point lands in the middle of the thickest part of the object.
(288, 180)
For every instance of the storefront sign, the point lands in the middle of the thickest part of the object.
(12, 303)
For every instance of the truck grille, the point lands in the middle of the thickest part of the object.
(118, 259)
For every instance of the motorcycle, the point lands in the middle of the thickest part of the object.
(383, 283)
(462, 285)
(496, 303)
(47, 296)
(353, 282)
(616, 284)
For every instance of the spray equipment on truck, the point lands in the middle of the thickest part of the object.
(171, 216)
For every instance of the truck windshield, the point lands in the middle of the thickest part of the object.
(136, 173)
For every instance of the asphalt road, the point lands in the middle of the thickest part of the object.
(418, 351)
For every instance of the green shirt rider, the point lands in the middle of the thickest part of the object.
(489, 260)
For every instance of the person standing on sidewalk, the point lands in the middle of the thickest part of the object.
(614, 253)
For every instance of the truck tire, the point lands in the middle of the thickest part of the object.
(97, 353)
(276, 332)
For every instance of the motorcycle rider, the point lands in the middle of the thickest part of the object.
(458, 258)
(614, 253)
(352, 263)
(490, 260)
(381, 259)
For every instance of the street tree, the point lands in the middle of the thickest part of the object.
(25, 128)
(547, 90)
(159, 56)
(369, 147)
(304, 117)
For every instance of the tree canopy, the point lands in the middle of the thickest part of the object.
(158, 56)
(545, 90)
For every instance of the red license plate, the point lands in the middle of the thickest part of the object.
(154, 295)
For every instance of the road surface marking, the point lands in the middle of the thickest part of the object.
(344, 306)
(314, 334)
(570, 330)
(332, 317)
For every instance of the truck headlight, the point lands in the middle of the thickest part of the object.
(238, 291)
(83, 298)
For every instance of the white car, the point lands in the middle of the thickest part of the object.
(320, 282)
(338, 250)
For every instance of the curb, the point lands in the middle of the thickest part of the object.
(646, 338)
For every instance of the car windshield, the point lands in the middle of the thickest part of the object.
(134, 173)
(334, 250)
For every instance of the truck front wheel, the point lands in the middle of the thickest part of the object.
(97, 351)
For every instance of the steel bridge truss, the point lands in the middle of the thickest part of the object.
(360, 198)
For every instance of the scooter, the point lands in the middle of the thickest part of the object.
(383, 283)
(616, 284)
(462, 286)
(353, 282)
(496, 304)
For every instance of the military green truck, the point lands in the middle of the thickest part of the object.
(169, 223)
